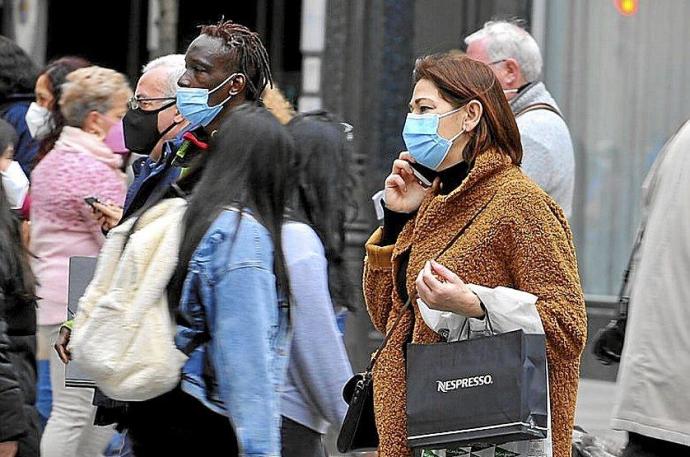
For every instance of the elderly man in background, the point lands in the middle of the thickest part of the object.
(152, 124)
(515, 58)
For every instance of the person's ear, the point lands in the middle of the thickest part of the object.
(237, 84)
(512, 71)
(94, 124)
(474, 111)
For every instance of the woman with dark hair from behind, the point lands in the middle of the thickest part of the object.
(19, 427)
(44, 119)
(17, 79)
(314, 242)
(228, 299)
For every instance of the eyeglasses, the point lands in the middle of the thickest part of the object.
(143, 102)
(496, 61)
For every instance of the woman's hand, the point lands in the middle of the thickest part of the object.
(443, 290)
(107, 215)
(403, 192)
(61, 343)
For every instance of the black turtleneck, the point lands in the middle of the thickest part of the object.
(452, 177)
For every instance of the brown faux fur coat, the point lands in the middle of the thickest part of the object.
(521, 240)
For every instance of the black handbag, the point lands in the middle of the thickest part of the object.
(359, 429)
(358, 432)
(608, 342)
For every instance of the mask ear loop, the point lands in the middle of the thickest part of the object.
(441, 116)
(452, 140)
(221, 85)
(169, 128)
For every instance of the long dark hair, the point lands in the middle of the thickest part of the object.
(460, 80)
(16, 279)
(250, 164)
(17, 71)
(56, 72)
(323, 198)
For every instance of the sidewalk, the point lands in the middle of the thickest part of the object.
(594, 406)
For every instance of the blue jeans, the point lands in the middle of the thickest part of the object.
(44, 394)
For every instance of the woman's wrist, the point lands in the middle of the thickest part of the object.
(478, 308)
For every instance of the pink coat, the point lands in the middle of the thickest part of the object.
(80, 165)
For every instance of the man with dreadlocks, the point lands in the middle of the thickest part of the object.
(226, 66)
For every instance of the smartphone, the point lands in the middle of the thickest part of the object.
(91, 201)
(425, 175)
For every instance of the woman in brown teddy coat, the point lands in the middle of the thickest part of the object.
(515, 236)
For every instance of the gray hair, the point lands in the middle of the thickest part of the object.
(175, 66)
(507, 40)
(92, 89)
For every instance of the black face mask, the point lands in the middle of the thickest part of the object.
(141, 129)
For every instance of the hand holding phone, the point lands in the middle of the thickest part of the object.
(107, 215)
(91, 201)
(404, 192)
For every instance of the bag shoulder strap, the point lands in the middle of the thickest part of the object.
(537, 106)
(624, 294)
(408, 303)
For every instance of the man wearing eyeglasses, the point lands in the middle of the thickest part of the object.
(152, 123)
(515, 59)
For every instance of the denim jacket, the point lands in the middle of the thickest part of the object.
(231, 320)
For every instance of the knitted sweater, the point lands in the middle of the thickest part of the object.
(80, 165)
(520, 240)
(547, 148)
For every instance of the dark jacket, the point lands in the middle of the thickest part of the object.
(13, 110)
(18, 416)
(150, 177)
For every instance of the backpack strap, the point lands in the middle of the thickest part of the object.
(537, 106)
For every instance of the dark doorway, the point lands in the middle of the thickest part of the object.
(278, 22)
(112, 36)
(193, 13)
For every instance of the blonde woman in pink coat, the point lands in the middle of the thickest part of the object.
(81, 164)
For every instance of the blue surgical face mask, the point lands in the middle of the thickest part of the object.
(192, 103)
(423, 141)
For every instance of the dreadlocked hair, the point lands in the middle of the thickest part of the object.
(248, 51)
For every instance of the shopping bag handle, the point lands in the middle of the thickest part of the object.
(487, 320)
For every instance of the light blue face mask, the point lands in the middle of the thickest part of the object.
(192, 103)
(423, 141)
